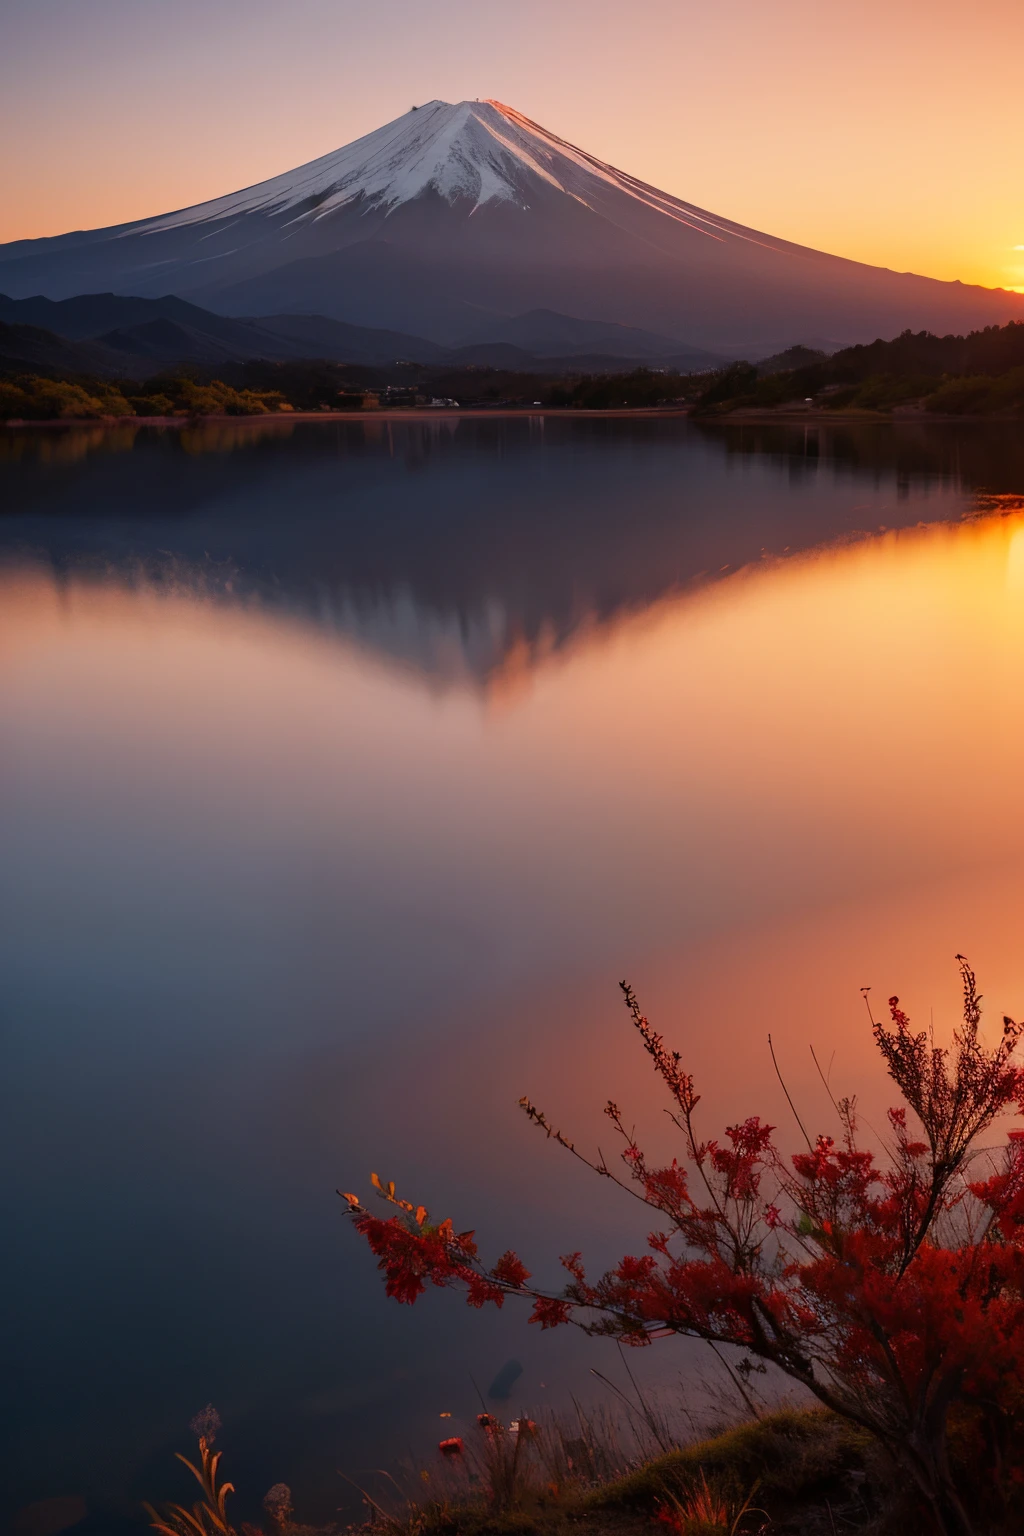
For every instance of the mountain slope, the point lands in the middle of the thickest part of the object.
(454, 218)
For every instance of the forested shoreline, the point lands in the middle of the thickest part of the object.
(981, 374)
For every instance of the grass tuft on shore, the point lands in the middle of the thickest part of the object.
(803, 1470)
(790, 1453)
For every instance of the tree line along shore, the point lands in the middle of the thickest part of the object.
(981, 374)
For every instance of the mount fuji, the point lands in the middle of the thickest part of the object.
(453, 219)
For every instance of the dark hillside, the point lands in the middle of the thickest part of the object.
(28, 347)
(980, 373)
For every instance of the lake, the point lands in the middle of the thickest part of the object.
(347, 768)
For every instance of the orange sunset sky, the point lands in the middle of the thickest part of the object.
(884, 130)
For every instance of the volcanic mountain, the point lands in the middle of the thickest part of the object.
(453, 219)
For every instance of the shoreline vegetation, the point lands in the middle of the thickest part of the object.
(913, 377)
(787, 1472)
(887, 1286)
(867, 1309)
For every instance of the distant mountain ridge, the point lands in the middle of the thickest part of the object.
(548, 334)
(169, 330)
(458, 219)
(26, 348)
(115, 333)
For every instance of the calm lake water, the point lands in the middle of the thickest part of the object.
(345, 771)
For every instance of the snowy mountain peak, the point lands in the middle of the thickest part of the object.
(459, 216)
(479, 151)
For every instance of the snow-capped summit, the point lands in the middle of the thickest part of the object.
(454, 217)
(472, 149)
(478, 151)
(466, 150)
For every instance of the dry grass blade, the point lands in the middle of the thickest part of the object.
(209, 1517)
(705, 1508)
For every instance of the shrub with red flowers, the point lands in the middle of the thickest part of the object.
(892, 1290)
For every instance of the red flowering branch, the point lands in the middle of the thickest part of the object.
(894, 1293)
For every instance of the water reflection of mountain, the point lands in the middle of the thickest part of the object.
(457, 545)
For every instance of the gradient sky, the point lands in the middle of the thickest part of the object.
(887, 130)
